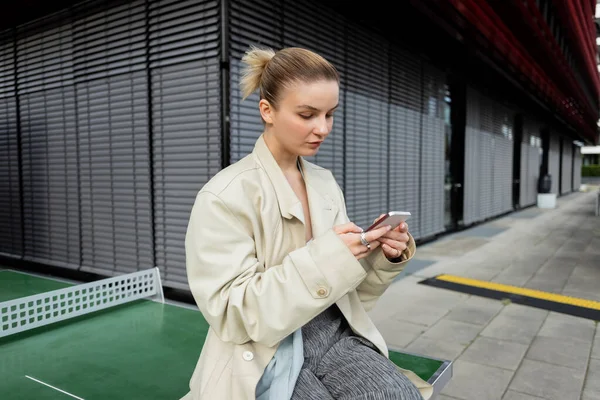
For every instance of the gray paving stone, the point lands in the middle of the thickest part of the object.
(399, 334)
(590, 396)
(436, 348)
(453, 331)
(547, 284)
(524, 313)
(419, 314)
(514, 277)
(596, 346)
(444, 397)
(592, 381)
(476, 381)
(562, 326)
(495, 353)
(484, 274)
(476, 310)
(567, 353)
(512, 395)
(548, 381)
(516, 323)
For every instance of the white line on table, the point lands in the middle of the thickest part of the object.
(50, 386)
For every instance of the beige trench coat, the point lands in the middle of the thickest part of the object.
(256, 280)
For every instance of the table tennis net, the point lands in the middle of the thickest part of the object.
(30, 312)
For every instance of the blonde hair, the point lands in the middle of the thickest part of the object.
(271, 71)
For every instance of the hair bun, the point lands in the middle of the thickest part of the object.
(256, 60)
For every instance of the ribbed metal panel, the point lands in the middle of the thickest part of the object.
(577, 169)
(485, 174)
(7, 65)
(405, 135)
(531, 158)
(503, 161)
(567, 166)
(433, 154)
(488, 158)
(115, 183)
(471, 183)
(184, 54)
(10, 203)
(554, 161)
(45, 54)
(325, 36)
(112, 114)
(258, 23)
(366, 126)
(48, 141)
(50, 177)
(530, 166)
(108, 41)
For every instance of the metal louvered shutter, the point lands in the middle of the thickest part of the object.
(49, 150)
(257, 23)
(503, 150)
(479, 158)
(10, 197)
(471, 160)
(577, 168)
(325, 36)
(405, 135)
(432, 154)
(112, 115)
(367, 110)
(184, 63)
(554, 162)
(567, 166)
(530, 162)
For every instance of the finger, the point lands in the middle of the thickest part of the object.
(377, 233)
(349, 227)
(396, 236)
(403, 227)
(391, 251)
(400, 245)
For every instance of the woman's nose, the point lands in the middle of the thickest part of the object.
(322, 127)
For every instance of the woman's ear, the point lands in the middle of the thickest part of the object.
(266, 111)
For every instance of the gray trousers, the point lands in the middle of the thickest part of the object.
(341, 365)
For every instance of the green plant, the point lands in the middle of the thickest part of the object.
(590, 170)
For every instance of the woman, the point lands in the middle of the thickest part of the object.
(282, 276)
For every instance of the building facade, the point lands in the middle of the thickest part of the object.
(113, 114)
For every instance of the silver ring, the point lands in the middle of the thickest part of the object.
(364, 241)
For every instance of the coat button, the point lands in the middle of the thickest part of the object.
(322, 292)
(248, 356)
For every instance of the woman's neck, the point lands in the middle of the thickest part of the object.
(287, 161)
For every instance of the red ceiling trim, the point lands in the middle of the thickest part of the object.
(556, 55)
(481, 16)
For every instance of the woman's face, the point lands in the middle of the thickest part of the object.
(304, 116)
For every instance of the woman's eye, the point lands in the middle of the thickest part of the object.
(329, 115)
(305, 116)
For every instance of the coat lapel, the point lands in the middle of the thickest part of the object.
(289, 204)
(322, 208)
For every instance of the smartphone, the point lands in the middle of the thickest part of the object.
(393, 218)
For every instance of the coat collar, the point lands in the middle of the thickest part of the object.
(322, 210)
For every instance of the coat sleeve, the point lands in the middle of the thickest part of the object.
(239, 300)
(381, 272)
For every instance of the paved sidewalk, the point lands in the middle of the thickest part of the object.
(503, 350)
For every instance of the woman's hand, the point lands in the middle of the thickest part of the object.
(350, 234)
(394, 242)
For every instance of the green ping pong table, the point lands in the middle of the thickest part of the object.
(139, 350)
